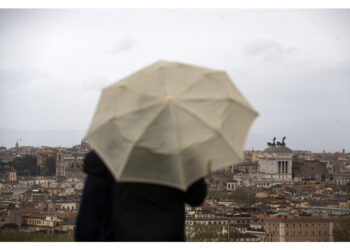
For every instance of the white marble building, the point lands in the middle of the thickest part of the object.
(274, 167)
(275, 164)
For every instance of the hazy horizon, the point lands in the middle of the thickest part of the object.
(69, 138)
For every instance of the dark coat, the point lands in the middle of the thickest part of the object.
(128, 211)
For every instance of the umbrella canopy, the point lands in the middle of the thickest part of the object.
(170, 124)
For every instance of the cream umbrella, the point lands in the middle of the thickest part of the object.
(170, 124)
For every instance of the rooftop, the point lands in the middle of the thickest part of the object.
(278, 149)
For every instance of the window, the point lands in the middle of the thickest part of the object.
(293, 233)
(325, 233)
(287, 233)
(313, 233)
(279, 167)
(300, 233)
(313, 225)
(300, 225)
(306, 233)
(306, 225)
(287, 225)
(319, 225)
(294, 225)
(319, 233)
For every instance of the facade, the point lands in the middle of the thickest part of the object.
(60, 163)
(46, 161)
(231, 186)
(309, 170)
(250, 167)
(69, 223)
(274, 166)
(63, 160)
(300, 229)
(12, 175)
(34, 222)
(207, 221)
(10, 216)
(341, 179)
(5, 158)
(74, 171)
(8, 174)
(241, 222)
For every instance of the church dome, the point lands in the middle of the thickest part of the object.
(278, 149)
(75, 165)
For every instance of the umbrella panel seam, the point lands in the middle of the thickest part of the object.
(138, 139)
(221, 99)
(210, 127)
(179, 156)
(120, 116)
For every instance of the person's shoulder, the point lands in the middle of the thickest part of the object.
(93, 164)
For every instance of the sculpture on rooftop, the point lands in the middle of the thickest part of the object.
(273, 144)
(283, 143)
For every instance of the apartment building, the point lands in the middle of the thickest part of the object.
(300, 228)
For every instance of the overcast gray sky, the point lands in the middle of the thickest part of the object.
(292, 65)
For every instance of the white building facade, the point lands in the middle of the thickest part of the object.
(274, 166)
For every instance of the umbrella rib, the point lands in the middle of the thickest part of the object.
(179, 155)
(126, 113)
(209, 74)
(209, 126)
(138, 92)
(222, 99)
(138, 139)
(239, 103)
(179, 152)
(194, 83)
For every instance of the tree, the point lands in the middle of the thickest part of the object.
(51, 166)
(9, 226)
(208, 233)
(342, 232)
(239, 195)
(11, 206)
(25, 166)
(234, 234)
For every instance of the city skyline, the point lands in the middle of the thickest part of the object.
(71, 138)
(276, 195)
(292, 65)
